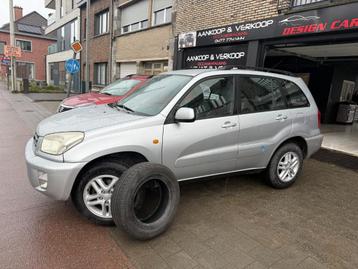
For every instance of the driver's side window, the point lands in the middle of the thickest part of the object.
(212, 98)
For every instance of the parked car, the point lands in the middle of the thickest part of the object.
(110, 94)
(184, 125)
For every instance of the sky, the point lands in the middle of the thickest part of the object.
(27, 5)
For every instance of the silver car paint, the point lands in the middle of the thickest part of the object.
(190, 150)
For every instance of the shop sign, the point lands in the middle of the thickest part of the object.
(12, 51)
(215, 57)
(337, 18)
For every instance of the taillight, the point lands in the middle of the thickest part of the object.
(319, 119)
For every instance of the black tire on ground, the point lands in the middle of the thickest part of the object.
(272, 176)
(114, 167)
(145, 202)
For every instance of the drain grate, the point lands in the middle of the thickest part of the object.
(28, 110)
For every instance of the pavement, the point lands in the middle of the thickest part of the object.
(37, 232)
(226, 222)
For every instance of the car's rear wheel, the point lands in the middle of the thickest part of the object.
(285, 166)
(145, 202)
(92, 193)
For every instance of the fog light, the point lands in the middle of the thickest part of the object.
(43, 180)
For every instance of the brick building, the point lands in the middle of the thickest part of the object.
(143, 36)
(100, 44)
(315, 39)
(30, 37)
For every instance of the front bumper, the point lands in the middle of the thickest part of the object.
(60, 176)
(313, 144)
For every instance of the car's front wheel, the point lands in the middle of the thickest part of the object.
(92, 192)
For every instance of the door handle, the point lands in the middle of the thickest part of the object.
(281, 117)
(229, 124)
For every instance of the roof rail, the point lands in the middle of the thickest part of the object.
(263, 69)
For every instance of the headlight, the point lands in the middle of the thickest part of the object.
(59, 143)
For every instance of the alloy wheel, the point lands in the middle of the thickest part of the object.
(288, 166)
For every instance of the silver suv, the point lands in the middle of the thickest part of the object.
(197, 123)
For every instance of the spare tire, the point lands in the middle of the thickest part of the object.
(145, 202)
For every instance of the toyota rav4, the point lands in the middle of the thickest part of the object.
(196, 123)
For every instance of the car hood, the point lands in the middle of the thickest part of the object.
(90, 98)
(84, 119)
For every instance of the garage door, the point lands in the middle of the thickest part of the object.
(126, 69)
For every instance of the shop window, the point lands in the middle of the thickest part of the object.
(25, 45)
(100, 73)
(212, 98)
(259, 94)
(25, 70)
(101, 23)
(162, 16)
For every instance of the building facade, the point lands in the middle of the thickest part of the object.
(315, 39)
(100, 41)
(143, 33)
(64, 23)
(30, 37)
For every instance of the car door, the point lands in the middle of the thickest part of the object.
(209, 144)
(264, 119)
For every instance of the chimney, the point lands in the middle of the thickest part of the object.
(18, 12)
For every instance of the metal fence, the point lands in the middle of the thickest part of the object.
(297, 3)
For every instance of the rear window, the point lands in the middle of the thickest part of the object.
(294, 95)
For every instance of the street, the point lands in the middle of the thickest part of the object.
(227, 222)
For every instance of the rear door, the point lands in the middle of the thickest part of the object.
(264, 119)
(209, 144)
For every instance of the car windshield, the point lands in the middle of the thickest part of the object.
(120, 87)
(155, 95)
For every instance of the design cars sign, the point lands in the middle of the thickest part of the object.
(215, 57)
(337, 18)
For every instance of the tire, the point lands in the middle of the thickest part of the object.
(111, 169)
(275, 173)
(145, 203)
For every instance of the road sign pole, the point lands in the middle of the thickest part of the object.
(12, 44)
(70, 86)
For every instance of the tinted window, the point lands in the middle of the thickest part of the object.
(260, 94)
(294, 95)
(211, 98)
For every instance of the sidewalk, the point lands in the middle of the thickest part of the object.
(37, 232)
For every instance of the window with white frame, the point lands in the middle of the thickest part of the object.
(62, 12)
(74, 31)
(2, 46)
(162, 16)
(134, 17)
(135, 26)
(100, 73)
(25, 45)
(101, 22)
(162, 11)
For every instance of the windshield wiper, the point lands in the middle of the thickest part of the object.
(125, 108)
(106, 93)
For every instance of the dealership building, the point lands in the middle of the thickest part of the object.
(314, 39)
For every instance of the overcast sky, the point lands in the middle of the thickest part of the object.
(27, 5)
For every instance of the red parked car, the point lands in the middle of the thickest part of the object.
(108, 95)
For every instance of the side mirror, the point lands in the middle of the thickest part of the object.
(185, 114)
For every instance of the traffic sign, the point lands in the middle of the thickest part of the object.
(72, 66)
(76, 46)
(12, 51)
(5, 60)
